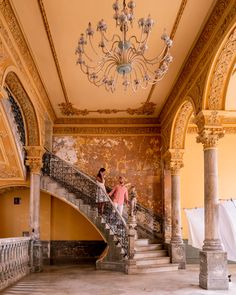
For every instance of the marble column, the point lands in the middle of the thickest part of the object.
(213, 260)
(34, 161)
(177, 247)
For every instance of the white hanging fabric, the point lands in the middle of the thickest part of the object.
(195, 218)
(227, 227)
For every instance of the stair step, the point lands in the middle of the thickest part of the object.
(149, 247)
(155, 253)
(142, 242)
(153, 260)
(154, 268)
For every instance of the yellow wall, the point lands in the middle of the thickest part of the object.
(192, 175)
(58, 221)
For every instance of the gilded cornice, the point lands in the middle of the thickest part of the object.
(126, 121)
(220, 20)
(13, 25)
(150, 131)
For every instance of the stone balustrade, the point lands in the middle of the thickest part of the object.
(14, 260)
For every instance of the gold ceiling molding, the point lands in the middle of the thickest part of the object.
(219, 21)
(150, 131)
(14, 27)
(107, 121)
(28, 112)
(172, 35)
(147, 108)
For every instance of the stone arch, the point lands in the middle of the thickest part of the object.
(28, 111)
(180, 124)
(219, 73)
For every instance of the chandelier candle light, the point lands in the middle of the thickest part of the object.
(121, 60)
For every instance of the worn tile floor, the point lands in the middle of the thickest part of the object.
(85, 280)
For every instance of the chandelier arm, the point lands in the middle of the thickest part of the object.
(139, 42)
(100, 65)
(108, 69)
(94, 50)
(112, 39)
(160, 57)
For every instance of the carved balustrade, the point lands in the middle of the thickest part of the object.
(14, 260)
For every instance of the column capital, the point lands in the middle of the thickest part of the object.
(210, 128)
(174, 160)
(34, 158)
(209, 137)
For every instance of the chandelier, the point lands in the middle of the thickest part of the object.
(122, 59)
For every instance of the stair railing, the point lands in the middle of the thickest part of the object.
(86, 189)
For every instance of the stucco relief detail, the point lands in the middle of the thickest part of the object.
(34, 158)
(220, 74)
(12, 23)
(137, 158)
(174, 160)
(210, 128)
(26, 106)
(201, 53)
(180, 126)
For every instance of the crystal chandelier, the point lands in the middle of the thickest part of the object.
(121, 59)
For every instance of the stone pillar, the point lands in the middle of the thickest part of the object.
(166, 189)
(177, 247)
(34, 161)
(132, 236)
(213, 260)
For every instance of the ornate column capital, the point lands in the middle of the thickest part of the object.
(174, 160)
(210, 128)
(34, 158)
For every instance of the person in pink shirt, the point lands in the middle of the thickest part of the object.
(120, 193)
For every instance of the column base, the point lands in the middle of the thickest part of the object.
(36, 256)
(130, 266)
(212, 245)
(177, 254)
(213, 270)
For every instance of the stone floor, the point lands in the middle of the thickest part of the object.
(84, 280)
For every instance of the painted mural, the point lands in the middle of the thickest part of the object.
(137, 158)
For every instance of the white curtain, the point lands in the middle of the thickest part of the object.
(227, 227)
(195, 219)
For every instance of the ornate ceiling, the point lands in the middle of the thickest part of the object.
(52, 29)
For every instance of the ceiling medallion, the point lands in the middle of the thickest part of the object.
(121, 60)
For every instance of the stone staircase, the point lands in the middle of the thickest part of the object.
(151, 258)
(77, 189)
(113, 256)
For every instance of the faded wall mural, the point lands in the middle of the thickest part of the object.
(137, 158)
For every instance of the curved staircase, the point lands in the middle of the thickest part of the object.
(76, 188)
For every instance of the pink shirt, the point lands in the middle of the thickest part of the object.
(120, 194)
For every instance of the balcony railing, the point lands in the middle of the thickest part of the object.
(14, 260)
